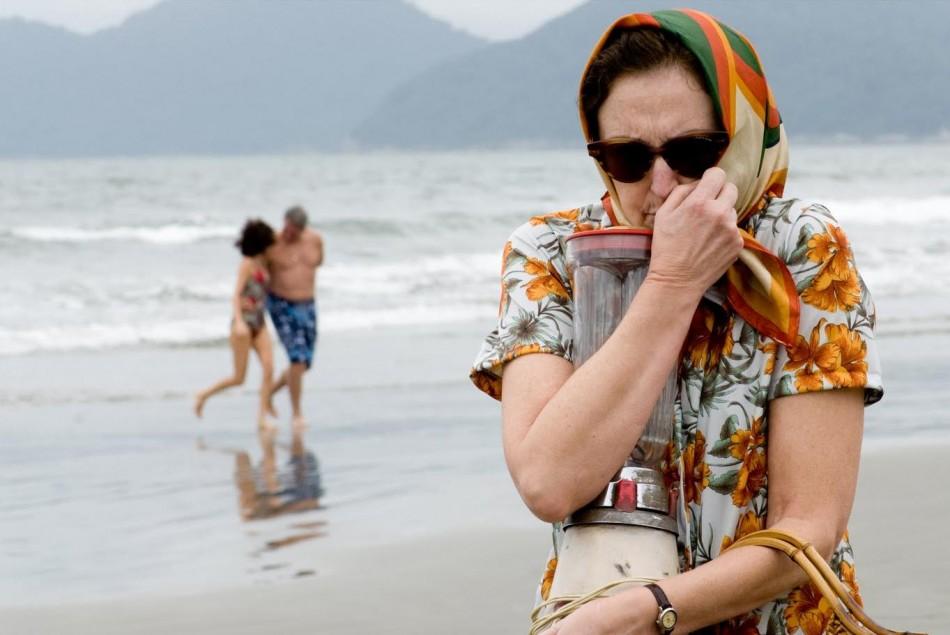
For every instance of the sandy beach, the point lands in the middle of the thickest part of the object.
(481, 582)
(122, 526)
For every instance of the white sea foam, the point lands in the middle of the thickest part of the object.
(359, 294)
(893, 211)
(213, 329)
(446, 275)
(881, 211)
(428, 291)
(172, 234)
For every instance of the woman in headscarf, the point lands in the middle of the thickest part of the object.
(773, 378)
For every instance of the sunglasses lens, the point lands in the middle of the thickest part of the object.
(626, 162)
(691, 156)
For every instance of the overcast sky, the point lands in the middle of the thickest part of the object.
(495, 19)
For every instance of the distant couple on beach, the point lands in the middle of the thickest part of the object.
(278, 272)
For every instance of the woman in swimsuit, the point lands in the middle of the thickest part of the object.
(248, 327)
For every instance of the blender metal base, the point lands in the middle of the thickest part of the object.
(608, 516)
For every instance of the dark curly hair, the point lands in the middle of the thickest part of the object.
(255, 238)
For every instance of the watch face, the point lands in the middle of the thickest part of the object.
(668, 619)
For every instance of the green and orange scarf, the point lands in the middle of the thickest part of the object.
(760, 287)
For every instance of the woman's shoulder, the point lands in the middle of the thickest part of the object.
(786, 225)
(544, 234)
(252, 267)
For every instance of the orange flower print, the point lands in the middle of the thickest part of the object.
(504, 256)
(806, 358)
(743, 625)
(847, 576)
(742, 442)
(545, 282)
(807, 610)
(748, 523)
(695, 471)
(526, 349)
(707, 342)
(832, 249)
(835, 627)
(670, 466)
(566, 215)
(831, 293)
(751, 479)
(503, 300)
(769, 348)
(489, 384)
(836, 285)
(840, 360)
(852, 369)
(548, 578)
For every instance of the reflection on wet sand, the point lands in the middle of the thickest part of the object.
(284, 486)
(268, 490)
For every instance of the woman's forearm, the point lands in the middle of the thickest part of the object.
(592, 423)
(733, 584)
(813, 469)
(745, 579)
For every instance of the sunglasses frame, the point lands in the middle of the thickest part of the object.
(596, 150)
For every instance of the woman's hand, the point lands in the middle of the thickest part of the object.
(695, 237)
(240, 328)
(594, 618)
(631, 612)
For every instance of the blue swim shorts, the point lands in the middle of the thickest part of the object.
(296, 325)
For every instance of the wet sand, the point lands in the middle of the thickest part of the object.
(482, 582)
(112, 521)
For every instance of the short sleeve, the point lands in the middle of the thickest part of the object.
(535, 314)
(835, 347)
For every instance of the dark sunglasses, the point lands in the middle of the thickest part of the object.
(628, 160)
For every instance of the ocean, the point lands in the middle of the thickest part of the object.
(132, 252)
(114, 310)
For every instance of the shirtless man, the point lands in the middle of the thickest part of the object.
(293, 263)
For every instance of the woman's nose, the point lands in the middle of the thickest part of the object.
(662, 178)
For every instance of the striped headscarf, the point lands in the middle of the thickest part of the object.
(760, 287)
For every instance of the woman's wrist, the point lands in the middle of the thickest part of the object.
(676, 288)
(633, 611)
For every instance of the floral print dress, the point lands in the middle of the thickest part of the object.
(729, 373)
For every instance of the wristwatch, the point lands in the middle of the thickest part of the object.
(666, 620)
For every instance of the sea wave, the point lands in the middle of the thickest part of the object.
(171, 234)
(352, 284)
(181, 233)
(869, 211)
(213, 329)
(886, 211)
(445, 275)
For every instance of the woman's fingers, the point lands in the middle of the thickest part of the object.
(729, 195)
(708, 187)
(677, 197)
(695, 237)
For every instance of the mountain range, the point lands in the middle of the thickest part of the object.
(212, 76)
(254, 76)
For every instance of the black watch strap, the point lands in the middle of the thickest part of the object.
(666, 620)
